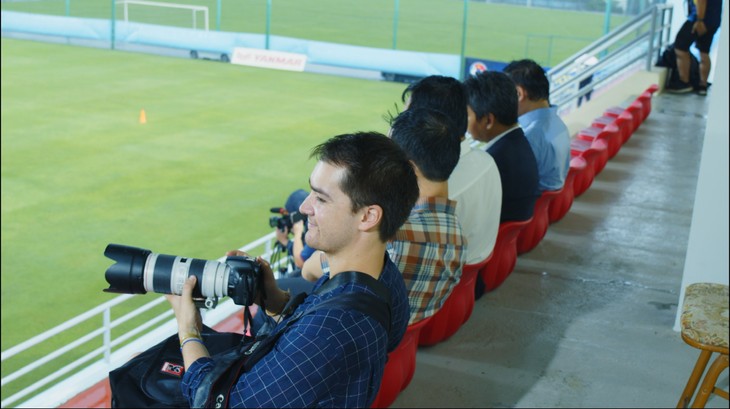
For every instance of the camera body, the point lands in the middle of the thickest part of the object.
(138, 271)
(286, 220)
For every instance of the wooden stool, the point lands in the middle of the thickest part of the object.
(705, 326)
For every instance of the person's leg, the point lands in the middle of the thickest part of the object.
(683, 62)
(685, 38)
(703, 44)
(705, 66)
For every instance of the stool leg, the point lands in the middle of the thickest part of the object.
(708, 385)
(694, 379)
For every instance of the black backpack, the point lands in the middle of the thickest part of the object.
(152, 379)
(668, 59)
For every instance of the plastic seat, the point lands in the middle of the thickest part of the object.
(645, 100)
(400, 367)
(624, 119)
(504, 256)
(610, 134)
(595, 154)
(456, 309)
(636, 109)
(584, 175)
(704, 322)
(531, 235)
(561, 204)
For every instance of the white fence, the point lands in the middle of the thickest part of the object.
(110, 354)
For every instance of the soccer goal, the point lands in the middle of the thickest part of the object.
(194, 10)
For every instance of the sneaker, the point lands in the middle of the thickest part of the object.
(702, 90)
(679, 87)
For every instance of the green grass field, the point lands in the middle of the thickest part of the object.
(222, 144)
(494, 31)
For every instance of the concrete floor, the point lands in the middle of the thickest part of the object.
(586, 318)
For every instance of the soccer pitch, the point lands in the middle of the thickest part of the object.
(492, 31)
(222, 144)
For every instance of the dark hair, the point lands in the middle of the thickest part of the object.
(492, 92)
(445, 94)
(426, 137)
(531, 77)
(377, 172)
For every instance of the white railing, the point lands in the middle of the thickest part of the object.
(104, 357)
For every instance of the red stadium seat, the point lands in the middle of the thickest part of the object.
(584, 175)
(636, 109)
(624, 119)
(560, 206)
(456, 309)
(610, 134)
(504, 256)
(400, 367)
(531, 235)
(595, 153)
(645, 100)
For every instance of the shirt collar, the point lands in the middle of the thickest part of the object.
(498, 137)
(435, 204)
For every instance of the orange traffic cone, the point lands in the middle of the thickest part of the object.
(142, 117)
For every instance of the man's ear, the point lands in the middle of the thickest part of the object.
(371, 217)
(488, 120)
(521, 94)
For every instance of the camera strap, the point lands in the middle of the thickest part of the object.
(229, 368)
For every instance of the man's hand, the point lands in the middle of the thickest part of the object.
(187, 314)
(282, 236)
(276, 298)
(699, 28)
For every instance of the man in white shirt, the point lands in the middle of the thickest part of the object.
(475, 183)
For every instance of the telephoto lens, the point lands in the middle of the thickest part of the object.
(138, 271)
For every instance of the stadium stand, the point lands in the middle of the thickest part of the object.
(616, 107)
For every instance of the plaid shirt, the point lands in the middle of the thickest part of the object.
(329, 358)
(429, 251)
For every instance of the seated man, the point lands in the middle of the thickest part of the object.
(363, 188)
(429, 248)
(493, 119)
(296, 248)
(541, 122)
(474, 184)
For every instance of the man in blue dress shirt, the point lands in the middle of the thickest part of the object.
(546, 132)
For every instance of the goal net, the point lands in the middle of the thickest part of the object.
(173, 14)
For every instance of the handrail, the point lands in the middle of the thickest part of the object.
(105, 330)
(567, 79)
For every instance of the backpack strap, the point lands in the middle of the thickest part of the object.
(224, 376)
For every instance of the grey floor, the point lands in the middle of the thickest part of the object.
(586, 318)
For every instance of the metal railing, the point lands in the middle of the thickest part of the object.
(636, 42)
(104, 353)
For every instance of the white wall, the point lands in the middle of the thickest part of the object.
(707, 251)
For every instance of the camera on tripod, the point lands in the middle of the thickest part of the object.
(286, 220)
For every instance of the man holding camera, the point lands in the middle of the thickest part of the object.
(293, 222)
(363, 188)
